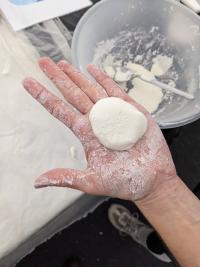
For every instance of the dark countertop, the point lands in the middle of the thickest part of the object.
(93, 240)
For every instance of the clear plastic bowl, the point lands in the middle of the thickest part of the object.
(181, 30)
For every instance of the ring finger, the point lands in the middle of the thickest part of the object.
(71, 92)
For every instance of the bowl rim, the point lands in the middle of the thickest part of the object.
(76, 63)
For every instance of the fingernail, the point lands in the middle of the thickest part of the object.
(61, 64)
(92, 68)
(27, 82)
(31, 86)
(44, 60)
(42, 181)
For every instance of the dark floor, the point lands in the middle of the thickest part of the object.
(95, 242)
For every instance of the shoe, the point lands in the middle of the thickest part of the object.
(128, 223)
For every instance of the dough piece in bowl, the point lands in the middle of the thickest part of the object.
(146, 94)
(117, 124)
(161, 65)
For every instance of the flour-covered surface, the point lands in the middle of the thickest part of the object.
(31, 142)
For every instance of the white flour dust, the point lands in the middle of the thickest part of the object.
(144, 48)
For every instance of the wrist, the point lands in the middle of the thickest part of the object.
(167, 189)
(172, 199)
(174, 211)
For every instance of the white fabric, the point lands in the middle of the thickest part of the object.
(31, 142)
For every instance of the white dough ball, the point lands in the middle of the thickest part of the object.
(117, 124)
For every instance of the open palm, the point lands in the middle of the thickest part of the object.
(131, 174)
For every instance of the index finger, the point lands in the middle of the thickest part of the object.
(112, 88)
(108, 84)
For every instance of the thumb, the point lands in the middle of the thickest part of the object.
(77, 179)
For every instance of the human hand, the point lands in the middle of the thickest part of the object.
(132, 174)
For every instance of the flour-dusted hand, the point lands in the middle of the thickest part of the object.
(131, 174)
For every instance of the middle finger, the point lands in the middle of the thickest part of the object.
(93, 90)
